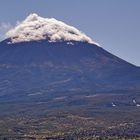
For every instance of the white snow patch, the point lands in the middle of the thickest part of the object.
(35, 28)
(34, 94)
(60, 98)
(134, 101)
(113, 105)
(92, 96)
(39, 103)
(70, 43)
(60, 82)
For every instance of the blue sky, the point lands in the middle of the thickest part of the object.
(114, 24)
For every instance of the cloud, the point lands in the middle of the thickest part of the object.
(35, 27)
(4, 27)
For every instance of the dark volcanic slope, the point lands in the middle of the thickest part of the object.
(36, 67)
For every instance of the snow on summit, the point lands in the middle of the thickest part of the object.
(35, 27)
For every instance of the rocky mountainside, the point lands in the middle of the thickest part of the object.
(42, 67)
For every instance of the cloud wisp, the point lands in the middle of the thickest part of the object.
(35, 27)
(4, 27)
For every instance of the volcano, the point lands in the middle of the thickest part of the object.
(46, 56)
(57, 83)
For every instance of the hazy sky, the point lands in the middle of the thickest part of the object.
(114, 24)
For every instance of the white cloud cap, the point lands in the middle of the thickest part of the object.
(35, 27)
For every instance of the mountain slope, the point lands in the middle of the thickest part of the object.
(47, 56)
(41, 66)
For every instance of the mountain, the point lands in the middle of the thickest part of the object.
(57, 83)
(30, 65)
(44, 67)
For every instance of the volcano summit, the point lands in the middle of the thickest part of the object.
(35, 27)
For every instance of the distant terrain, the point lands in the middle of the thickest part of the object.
(74, 117)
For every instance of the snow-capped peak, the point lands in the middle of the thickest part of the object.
(35, 27)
